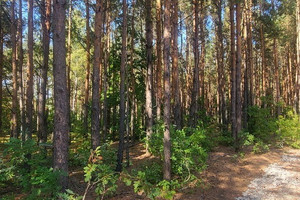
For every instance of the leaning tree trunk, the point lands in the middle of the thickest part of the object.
(61, 117)
(167, 97)
(122, 89)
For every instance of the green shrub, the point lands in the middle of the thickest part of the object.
(25, 165)
(260, 147)
(100, 172)
(289, 129)
(262, 124)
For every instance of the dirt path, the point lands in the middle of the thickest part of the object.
(273, 175)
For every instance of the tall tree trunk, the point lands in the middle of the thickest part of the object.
(96, 77)
(45, 17)
(122, 89)
(175, 70)
(61, 117)
(233, 71)
(20, 70)
(87, 72)
(14, 122)
(159, 59)
(149, 80)
(220, 63)
(195, 90)
(297, 86)
(167, 97)
(203, 52)
(29, 92)
(69, 57)
(1, 66)
(263, 58)
(105, 72)
(238, 74)
(277, 80)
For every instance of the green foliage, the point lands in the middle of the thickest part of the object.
(26, 166)
(69, 195)
(100, 171)
(260, 147)
(149, 181)
(289, 129)
(262, 124)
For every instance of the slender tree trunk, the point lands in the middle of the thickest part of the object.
(14, 123)
(238, 74)
(233, 71)
(149, 80)
(29, 92)
(69, 57)
(159, 59)
(20, 70)
(1, 67)
(297, 86)
(87, 72)
(167, 97)
(122, 89)
(96, 77)
(45, 17)
(203, 52)
(175, 70)
(220, 63)
(263, 58)
(195, 90)
(133, 99)
(61, 117)
(277, 80)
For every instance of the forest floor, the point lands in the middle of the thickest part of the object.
(247, 176)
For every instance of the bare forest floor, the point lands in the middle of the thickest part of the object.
(272, 175)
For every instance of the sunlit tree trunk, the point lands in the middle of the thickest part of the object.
(149, 80)
(61, 103)
(297, 87)
(122, 89)
(203, 52)
(167, 91)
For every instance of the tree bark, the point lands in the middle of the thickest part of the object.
(29, 92)
(175, 70)
(14, 122)
(238, 75)
(45, 17)
(167, 97)
(1, 67)
(87, 72)
(297, 87)
(122, 89)
(96, 77)
(233, 71)
(195, 90)
(61, 117)
(159, 59)
(149, 80)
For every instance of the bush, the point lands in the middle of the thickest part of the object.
(289, 129)
(25, 165)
